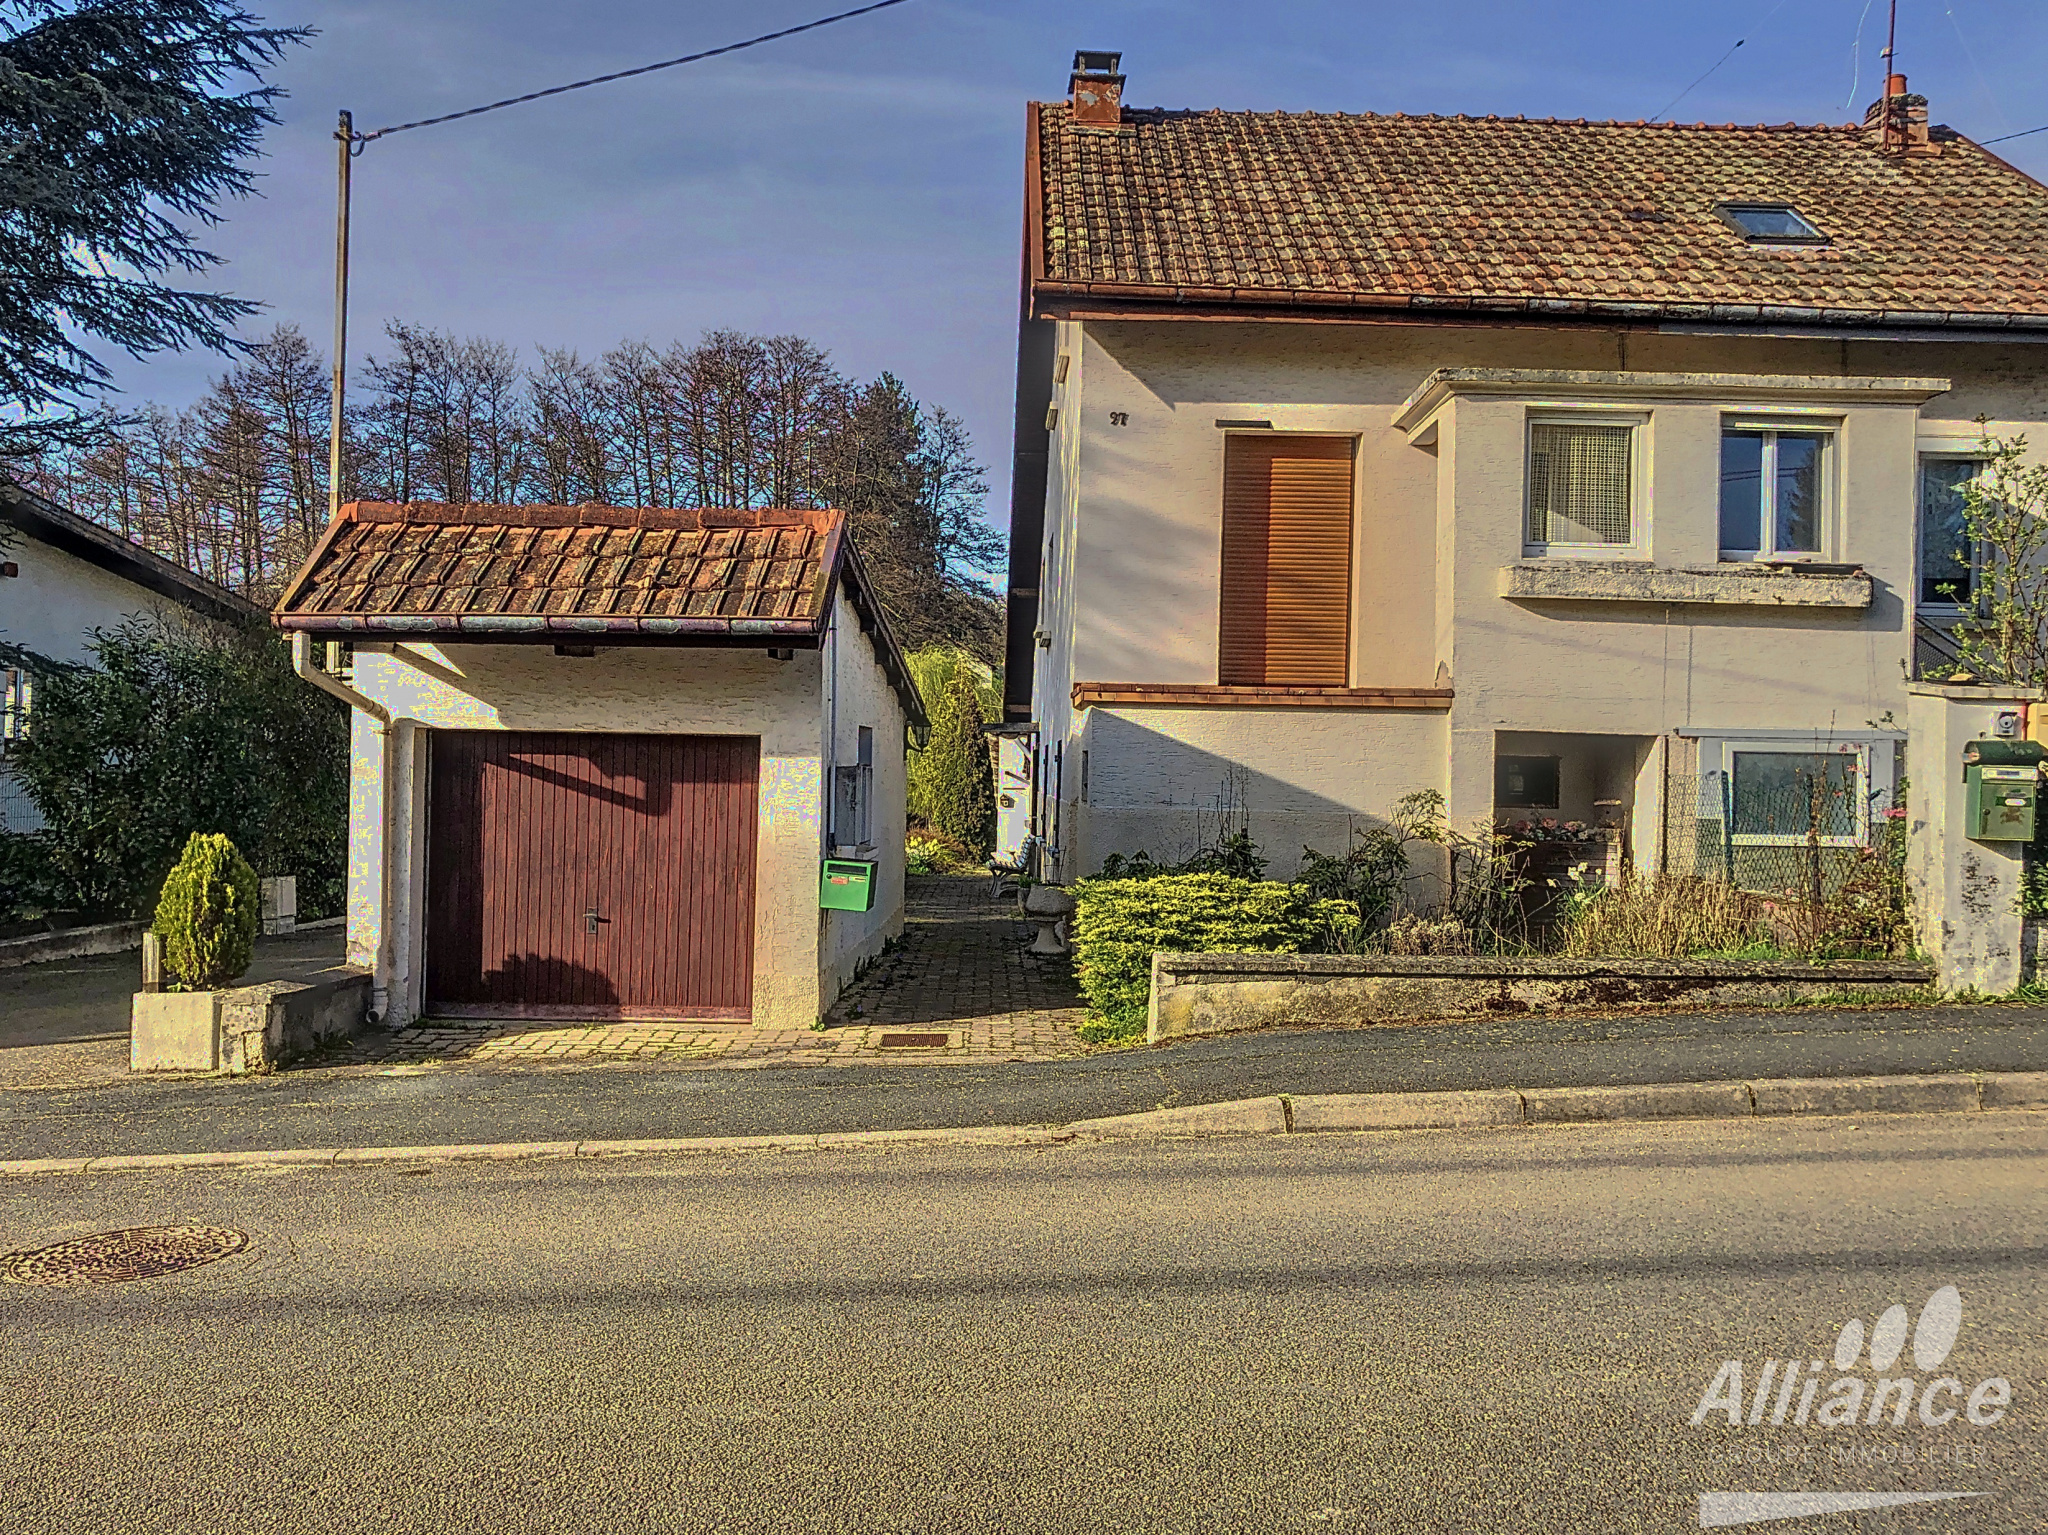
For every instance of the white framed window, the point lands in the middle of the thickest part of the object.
(1949, 560)
(1777, 499)
(1583, 479)
(1773, 786)
(17, 701)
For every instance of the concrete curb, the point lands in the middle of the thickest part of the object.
(1956, 1093)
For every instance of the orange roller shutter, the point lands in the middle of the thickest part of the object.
(1286, 612)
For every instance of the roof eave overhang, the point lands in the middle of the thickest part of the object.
(1416, 414)
(842, 569)
(67, 532)
(556, 628)
(1054, 299)
(845, 572)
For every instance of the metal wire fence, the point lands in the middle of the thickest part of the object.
(1774, 838)
(18, 812)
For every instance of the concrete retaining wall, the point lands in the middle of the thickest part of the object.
(245, 1030)
(1224, 993)
(102, 938)
(71, 943)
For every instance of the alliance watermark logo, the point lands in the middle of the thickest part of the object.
(1789, 1390)
(1802, 1393)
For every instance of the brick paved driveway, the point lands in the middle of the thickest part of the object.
(959, 970)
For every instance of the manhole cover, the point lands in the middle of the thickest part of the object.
(108, 1257)
(914, 1041)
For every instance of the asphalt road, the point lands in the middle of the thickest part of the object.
(1499, 1331)
(415, 1105)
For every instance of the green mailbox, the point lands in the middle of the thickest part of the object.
(848, 884)
(2003, 783)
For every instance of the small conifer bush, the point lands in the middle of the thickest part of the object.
(206, 916)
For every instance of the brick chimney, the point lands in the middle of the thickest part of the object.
(1897, 121)
(1097, 90)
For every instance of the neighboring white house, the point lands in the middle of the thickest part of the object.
(61, 579)
(1595, 471)
(608, 760)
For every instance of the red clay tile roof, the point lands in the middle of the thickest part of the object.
(1553, 217)
(422, 567)
(586, 574)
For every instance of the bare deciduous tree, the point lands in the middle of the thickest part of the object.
(236, 487)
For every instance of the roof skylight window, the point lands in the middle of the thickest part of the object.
(1771, 224)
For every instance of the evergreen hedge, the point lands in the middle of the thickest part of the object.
(207, 914)
(1120, 923)
(175, 729)
(952, 788)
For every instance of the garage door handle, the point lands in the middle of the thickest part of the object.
(591, 919)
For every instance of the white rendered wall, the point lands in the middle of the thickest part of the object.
(52, 607)
(1155, 777)
(1635, 670)
(847, 939)
(58, 600)
(1964, 895)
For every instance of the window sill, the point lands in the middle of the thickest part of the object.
(1744, 586)
(1189, 695)
(1598, 554)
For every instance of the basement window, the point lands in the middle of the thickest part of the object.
(1770, 223)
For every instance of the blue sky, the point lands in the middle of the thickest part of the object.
(862, 185)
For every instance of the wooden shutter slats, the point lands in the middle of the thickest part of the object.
(1286, 589)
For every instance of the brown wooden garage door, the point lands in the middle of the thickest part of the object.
(591, 876)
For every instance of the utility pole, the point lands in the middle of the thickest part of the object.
(345, 136)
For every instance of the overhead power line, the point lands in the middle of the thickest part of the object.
(351, 143)
(2024, 133)
(1724, 58)
(627, 74)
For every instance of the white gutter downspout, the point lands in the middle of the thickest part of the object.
(830, 652)
(384, 962)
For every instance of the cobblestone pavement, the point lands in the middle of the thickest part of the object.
(959, 971)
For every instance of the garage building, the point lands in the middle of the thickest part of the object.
(608, 759)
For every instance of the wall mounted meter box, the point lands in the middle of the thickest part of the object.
(2003, 783)
(848, 884)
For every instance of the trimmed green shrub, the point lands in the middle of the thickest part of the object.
(1120, 923)
(207, 914)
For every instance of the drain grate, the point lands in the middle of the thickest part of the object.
(914, 1041)
(109, 1257)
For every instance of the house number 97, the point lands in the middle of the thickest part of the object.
(1119, 418)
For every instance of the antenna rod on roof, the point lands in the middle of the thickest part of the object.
(1891, 43)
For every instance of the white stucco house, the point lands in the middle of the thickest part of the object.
(1592, 471)
(610, 762)
(62, 578)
